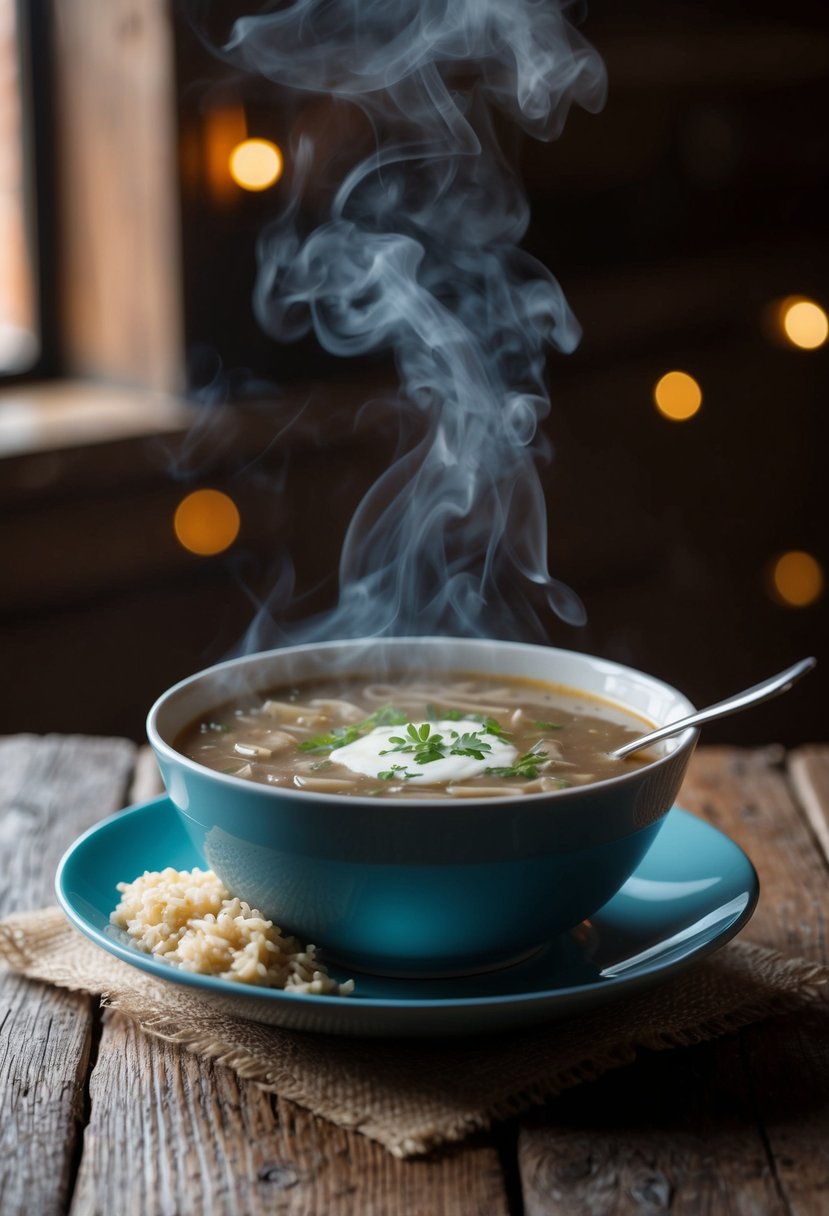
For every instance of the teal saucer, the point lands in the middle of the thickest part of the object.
(693, 891)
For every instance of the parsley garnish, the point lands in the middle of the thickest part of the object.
(428, 746)
(395, 772)
(525, 766)
(548, 725)
(493, 727)
(470, 744)
(340, 736)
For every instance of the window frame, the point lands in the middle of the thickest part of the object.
(36, 63)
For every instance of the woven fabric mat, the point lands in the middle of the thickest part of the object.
(396, 1091)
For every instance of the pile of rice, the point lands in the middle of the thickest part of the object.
(190, 919)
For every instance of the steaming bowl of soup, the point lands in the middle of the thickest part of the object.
(420, 806)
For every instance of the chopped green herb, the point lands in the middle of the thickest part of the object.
(428, 746)
(396, 772)
(493, 726)
(320, 765)
(436, 714)
(338, 736)
(548, 725)
(525, 766)
(470, 744)
(341, 736)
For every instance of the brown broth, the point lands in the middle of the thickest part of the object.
(286, 738)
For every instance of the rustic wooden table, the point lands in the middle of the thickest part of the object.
(98, 1118)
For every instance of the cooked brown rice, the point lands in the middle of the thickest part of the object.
(189, 919)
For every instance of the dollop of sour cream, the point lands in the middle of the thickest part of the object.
(373, 754)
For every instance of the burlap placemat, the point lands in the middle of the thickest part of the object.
(414, 1095)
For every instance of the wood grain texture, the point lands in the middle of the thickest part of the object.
(809, 770)
(118, 166)
(50, 790)
(789, 1060)
(169, 1133)
(45, 1042)
(739, 1125)
(675, 1132)
(126, 1123)
(748, 796)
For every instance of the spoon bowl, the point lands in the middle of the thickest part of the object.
(763, 691)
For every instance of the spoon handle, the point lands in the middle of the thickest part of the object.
(763, 691)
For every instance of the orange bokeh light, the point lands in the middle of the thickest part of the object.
(206, 522)
(803, 322)
(255, 164)
(677, 396)
(797, 579)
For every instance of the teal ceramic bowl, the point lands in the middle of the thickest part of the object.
(422, 887)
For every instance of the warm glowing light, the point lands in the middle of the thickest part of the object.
(255, 164)
(804, 322)
(206, 522)
(677, 396)
(224, 126)
(797, 579)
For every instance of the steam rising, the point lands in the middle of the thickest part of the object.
(419, 254)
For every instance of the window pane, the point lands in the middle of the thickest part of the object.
(19, 344)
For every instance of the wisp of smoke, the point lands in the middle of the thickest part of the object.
(419, 254)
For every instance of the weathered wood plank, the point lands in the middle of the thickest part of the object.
(790, 1063)
(355, 1177)
(809, 772)
(50, 790)
(45, 1040)
(747, 795)
(737, 1126)
(169, 1133)
(674, 1132)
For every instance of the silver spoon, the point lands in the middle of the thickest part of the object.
(782, 682)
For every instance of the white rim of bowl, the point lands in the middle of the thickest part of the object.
(685, 741)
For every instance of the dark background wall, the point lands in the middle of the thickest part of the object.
(674, 220)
